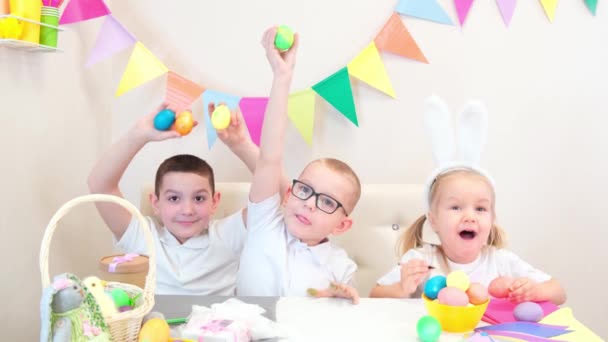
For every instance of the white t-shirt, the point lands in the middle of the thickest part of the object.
(275, 263)
(490, 264)
(203, 265)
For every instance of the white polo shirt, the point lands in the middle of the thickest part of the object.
(203, 265)
(275, 263)
(491, 264)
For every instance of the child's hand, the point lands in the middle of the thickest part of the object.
(522, 290)
(280, 62)
(413, 273)
(144, 128)
(236, 133)
(337, 290)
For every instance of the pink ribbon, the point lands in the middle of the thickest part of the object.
(121, 259)
(62, 283)
(89, 330)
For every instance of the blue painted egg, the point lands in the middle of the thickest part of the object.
(434, 285)
(164, 119)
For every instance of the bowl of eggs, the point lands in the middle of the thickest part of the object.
(455, 302)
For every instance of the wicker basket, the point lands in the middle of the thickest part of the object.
(124, 326)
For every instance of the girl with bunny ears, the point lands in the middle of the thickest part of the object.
(460, 204)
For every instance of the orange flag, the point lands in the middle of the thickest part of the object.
(181, 92)
(395, 38)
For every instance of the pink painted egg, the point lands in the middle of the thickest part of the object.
(499, 287)
(453, 296)
(478, 294)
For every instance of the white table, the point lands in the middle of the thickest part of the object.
(326, 319)
(373, 319)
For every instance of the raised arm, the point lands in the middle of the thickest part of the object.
(107, 172)
(238, 140)
(268, 171)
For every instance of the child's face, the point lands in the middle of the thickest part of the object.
(185, 204)
(462, 214)
(302, 217)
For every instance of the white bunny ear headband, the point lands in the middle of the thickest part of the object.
(471, 128)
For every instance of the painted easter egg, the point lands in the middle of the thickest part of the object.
(428, 329)
(164, 119)
(220, 119)
(528, 312)
(284, 38)
(184, 123)
(458, 279)
(121, 297)
(478, 294)
(499, 287)
(453, 296)
(434, 285)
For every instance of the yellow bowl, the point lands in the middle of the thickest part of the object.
(455, 318)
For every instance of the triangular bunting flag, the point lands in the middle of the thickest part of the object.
(424, 9)
(549, 6)
(181, 92)
(253, 109)
(143, 67)
(112, 38)
(507, 7)
(368, 67)
(337, 91)
(395, 38)
(81, 10)
(302, 113)
(462, 9)
(212, 96)
(592, 5)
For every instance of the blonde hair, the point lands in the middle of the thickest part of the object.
(342, 168)
(412, 237)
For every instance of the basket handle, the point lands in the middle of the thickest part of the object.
(50, 229)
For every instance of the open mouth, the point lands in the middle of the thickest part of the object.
(467, 234)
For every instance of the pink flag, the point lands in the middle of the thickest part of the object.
(81, 10)
(253, 109)
(112, 38)
(506, 10)
(462, 8)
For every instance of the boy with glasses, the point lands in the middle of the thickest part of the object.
(287, 252)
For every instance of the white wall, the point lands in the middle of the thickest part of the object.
(543, 84)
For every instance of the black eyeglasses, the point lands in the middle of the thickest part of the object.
(323, 202)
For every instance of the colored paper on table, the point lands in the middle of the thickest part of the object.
(336, 90)
(501, 310)
(395, 38)
(507, 7)
(112, 38)
(81, 10)
(424, 9)
(564, 316)
(523, 337)
(368, 67)
(253, 109)
(529, 328)
(301, 111)
(143, 67)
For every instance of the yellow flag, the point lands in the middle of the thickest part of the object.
(549, 6)
(143, 67)
(302, 112)
(368, 67)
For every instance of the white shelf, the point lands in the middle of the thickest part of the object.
(26, 45)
